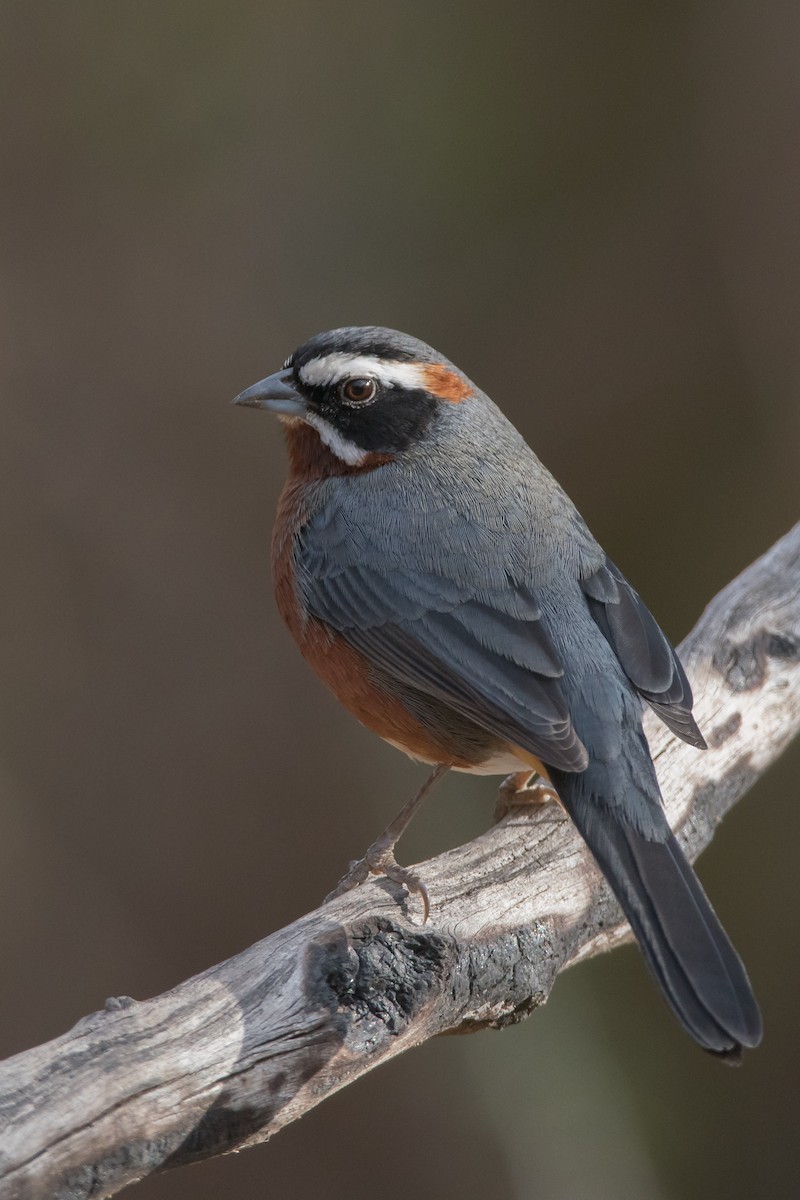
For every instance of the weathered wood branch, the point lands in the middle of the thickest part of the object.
(229, 1057)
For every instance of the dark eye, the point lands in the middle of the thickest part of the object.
(358, 390)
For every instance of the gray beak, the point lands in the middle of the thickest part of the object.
(275, 393)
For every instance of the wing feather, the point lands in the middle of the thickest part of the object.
(425, 657)
(438, 635)
(642, 648)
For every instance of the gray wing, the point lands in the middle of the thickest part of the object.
(468, 637)
(643, 650)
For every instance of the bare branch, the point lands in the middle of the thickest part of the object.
(231, 1056)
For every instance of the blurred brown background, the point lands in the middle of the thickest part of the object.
(592, 207)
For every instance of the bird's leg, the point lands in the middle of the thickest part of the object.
(518, 792)
(380, 859)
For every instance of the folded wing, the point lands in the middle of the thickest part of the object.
(485, 652)
(646, 656)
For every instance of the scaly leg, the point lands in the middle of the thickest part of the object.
(380, 859)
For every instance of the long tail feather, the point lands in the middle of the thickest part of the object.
(684, 944)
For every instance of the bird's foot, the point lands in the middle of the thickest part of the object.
(380, 860)
(518, 795)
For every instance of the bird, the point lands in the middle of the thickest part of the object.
(441, 583)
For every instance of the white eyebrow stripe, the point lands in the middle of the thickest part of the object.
(331, 368)
(347, 451)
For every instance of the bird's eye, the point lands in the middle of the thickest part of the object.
(358, 390)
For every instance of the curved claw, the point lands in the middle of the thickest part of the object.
(520, 799)
(382, 862)
(407, 879)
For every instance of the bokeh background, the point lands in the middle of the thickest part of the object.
(592, 207)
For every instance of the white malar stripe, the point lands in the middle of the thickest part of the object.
(331, 368)
(348, 452)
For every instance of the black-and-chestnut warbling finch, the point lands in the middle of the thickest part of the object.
(440, 582)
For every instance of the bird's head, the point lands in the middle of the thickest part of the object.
(369, 393)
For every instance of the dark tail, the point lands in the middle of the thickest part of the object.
(686, 948)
